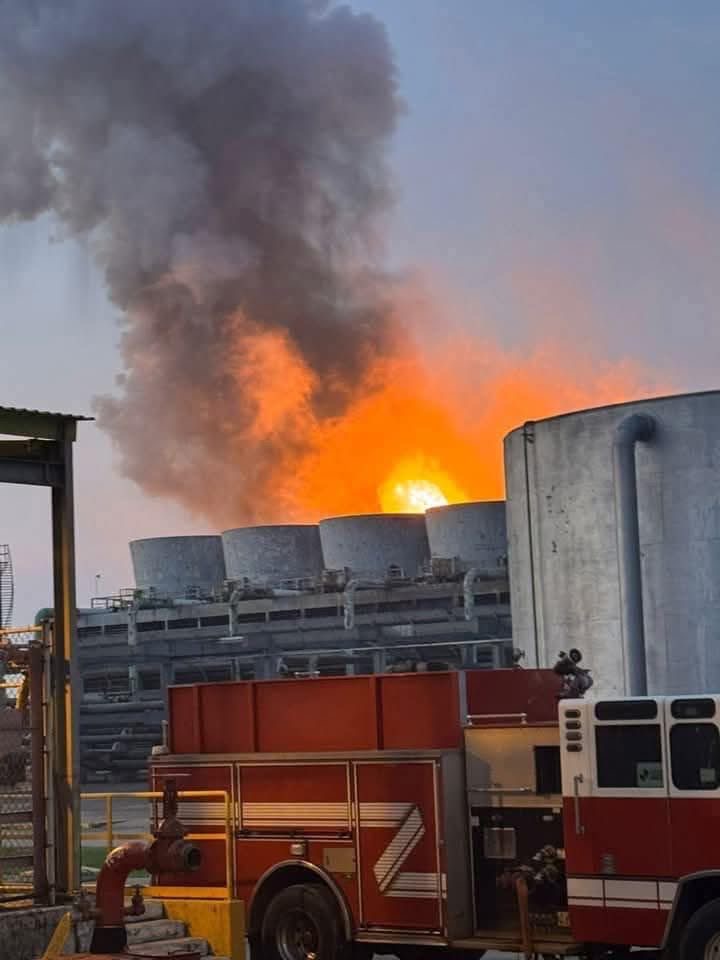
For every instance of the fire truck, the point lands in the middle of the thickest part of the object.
(453, 811)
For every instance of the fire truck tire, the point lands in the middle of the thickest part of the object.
(302, 922)
(701, 939)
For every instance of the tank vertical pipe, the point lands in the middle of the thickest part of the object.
(636, 428)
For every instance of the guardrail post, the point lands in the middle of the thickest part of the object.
(109, 821)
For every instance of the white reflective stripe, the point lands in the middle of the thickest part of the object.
(259, 823)
(619, 893)
(383, 814)
(300, 814)
(633, 904)
(417, 881)
(190, 811)
(415, 886)
(585, 887)
(585, 902)
(667, 890)
(289, 810)
(399, 849)
(631, 890)
(412, 895)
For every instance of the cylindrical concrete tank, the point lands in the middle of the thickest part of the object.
(370, 545)
(563, 542)
(473, 533)
(178, 566)
(270, 554)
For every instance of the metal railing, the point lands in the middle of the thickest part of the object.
(107, 835)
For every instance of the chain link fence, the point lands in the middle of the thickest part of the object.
(22, 741)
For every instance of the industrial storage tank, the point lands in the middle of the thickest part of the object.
(614, 542)
(178, 566)
(473, 534)
(270, 554)
(372, 545)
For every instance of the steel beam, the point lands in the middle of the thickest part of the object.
(45, 458)
(35, 462)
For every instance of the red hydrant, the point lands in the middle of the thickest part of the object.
(168, 853)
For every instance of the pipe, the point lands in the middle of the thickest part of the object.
(522, 894)
(118, 865)
(161, 856)
(168, 853)
(349, 597)
(132, 706)
(468, 592)
(528, 436)
(110, 738)
(636, 428)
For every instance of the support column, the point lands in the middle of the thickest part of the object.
(66, 767)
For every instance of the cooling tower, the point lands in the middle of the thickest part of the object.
(473, 533)
(370, 545)
(270, 554)
(178, 566)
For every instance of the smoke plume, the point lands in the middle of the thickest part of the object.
(224, 160)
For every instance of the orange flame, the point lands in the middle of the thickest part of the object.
(424, 428)
(429, 430)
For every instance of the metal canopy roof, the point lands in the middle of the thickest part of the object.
(40, 424)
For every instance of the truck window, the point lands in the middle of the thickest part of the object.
(548, 779)
(629, 756)
(695, 756)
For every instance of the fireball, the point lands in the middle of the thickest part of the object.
(417, 484)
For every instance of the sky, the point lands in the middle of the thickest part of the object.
(555, 172)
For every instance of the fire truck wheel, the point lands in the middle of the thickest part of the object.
(701, 939)
(301, 923)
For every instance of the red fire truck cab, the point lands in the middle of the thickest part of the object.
(462, 811)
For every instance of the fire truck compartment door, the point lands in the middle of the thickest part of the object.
(615, 788)
(398, 851)
(693, 751)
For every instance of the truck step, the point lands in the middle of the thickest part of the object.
(152, 930)
(166, 948)
(154, 910)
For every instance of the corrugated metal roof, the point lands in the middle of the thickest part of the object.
(44, 413)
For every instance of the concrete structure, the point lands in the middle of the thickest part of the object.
(25, 933)
(370, 545)
(271, 554)
(568, 586)
(473, 534)
(178, 566)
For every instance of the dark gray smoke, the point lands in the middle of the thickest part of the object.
(224, 159)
